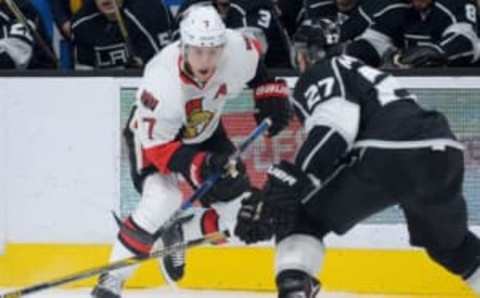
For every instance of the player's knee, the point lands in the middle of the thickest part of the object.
(135, 238)
(295, 283)
(300, 252)
(463, 260)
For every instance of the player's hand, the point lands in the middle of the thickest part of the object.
(233, 182)
(271, 101)
(286, 186)
(253, 220)
(421, 56)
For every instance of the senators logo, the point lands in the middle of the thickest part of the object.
(197, 118)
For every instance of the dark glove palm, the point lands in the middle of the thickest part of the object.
(285, 187)
(233, 182)
(253, 221)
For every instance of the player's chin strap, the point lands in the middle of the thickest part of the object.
(209, 238)
(210, 181)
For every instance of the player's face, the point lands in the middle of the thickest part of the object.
(345, 5)
(203, 61)
(421, 5)
(107, 7)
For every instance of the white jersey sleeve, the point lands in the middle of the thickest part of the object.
(243, 53)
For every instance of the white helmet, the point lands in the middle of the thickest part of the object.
(202, 26)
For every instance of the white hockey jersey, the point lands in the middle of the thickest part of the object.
(169, 102)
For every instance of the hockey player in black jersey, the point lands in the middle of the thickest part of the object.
(18, 47)
(259, 18)
(104, 39)
(440, 32)
(365, 29)
(369, 146)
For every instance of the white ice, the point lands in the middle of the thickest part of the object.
(169, 293)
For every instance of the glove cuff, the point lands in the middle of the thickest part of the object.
(269, 90)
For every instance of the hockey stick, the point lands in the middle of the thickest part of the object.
(209, 238)
(23, 20)
(210, 181)
(124, 32)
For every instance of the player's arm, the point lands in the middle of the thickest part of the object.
(381, 37)
(331, 122)
(16, 48)
(159, 126)
(271, 96)
(155, 18)
(459, 44)
(460, 40)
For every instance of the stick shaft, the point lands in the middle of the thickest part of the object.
(209, 238)
(210, 181)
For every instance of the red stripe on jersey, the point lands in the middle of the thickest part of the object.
(160, 155)
(257, 45)
(196, 168)
(210, 224)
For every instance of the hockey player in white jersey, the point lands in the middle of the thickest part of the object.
(175, 128)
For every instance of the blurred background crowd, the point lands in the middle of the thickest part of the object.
(121, 34)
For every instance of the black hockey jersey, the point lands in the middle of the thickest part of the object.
(18, 47)
(291, 13)
(362, 107)
(450, 26)
(99, 43)
(373, 26)
(259, 15)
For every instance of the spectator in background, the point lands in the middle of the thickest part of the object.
(106, 39)
(22, 45)
(63, 10)
(290, 13)
(258, 18)
(365, 29)
(440, 32)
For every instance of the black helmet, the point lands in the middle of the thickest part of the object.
(313, 38)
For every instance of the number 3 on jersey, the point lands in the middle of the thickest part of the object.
(319, 92)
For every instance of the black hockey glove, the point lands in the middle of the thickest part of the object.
(271, 100)
(286, 186)
(254, 222)
(232, 184)
(421, 56)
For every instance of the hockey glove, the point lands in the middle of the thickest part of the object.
(286, 186)
(271, 100)
(233, 182)
(421, 56)
(253, 221)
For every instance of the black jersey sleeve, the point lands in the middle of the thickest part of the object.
(385, 32)
(151, 21)
(17, 40)
(460, 41)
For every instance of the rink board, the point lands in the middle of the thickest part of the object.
(47, 206)
(350, 270)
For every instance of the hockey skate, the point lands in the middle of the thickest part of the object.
(108, 287)
(297, 284)
(173, 265)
